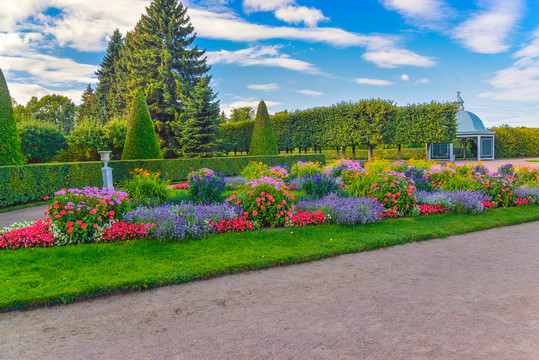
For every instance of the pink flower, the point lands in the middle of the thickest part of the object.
(83, 225)
(93, 211)
(69, 224)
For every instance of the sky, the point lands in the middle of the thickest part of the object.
(299, 54)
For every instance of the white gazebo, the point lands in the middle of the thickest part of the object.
(469, 126)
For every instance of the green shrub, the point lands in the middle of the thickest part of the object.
(318, 186)
(115, 132)
(141, 139)
(147, 185)
(41, 141)
(254, 170)
(263, 141)
(300, 169)
(516, 142)
(10, 145)
(83, 142)
(22, 184)
(236, 137)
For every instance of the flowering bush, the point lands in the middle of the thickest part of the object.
(302, 218)
(254, 170)
(301, 169)
(391, 189)
(530, 192)
(237, 224)
(205, 186)
(389, 214)
(181, 186)
(500, 190)
(319, 185)
(432, 209)
(122, 231)
(265, 200)
(456, 201)
(419, 176)
(145, 184)
(346, 211)
(176, 222)
(528, 176)
(36, 235)
(506, 170)
(439, 177)
(488, 204)
(522, 201)
(234, 182)
(336, 168)
(77, 214)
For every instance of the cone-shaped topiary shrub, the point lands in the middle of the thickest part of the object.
(141, 139)
(10, 144)
(263, 141)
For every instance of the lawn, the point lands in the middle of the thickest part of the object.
(39, 276)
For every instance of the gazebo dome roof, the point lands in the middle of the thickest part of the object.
(467, 121)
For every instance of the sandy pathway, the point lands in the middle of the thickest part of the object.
(472, 296)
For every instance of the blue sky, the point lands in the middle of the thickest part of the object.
(296, 54)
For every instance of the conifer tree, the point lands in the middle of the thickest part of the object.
(108, 91)
(141, 139)
(88, 109)
(263, 140)
(159, 56)
(10, 144)
(201, 127)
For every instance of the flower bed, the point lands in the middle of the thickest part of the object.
(36, 235)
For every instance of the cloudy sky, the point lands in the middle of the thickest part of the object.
(296, 54)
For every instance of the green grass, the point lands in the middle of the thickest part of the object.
(532, 160)
(64, 274)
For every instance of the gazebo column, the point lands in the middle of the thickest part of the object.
(479, 148)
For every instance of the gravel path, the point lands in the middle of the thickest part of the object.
(27, 214)
(473, 296)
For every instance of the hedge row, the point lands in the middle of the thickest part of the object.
(516, 142)
(22, 184)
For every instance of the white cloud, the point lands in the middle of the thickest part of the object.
(23, 92)
(520, 82)
(264, 87)
(486, 32)
(261, 56)
(17, 43)
(265, 5)
(310, 92)
(50, 70)
(393, 57)
(423, 13)
(377, 82)
(381, 50)
(300, 14)
(405, 77)
(423, 81)
(227, 108)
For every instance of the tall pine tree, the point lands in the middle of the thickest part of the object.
(108, 91)
(10, 144)
(159, 57)
(199, 135)
(88, 110)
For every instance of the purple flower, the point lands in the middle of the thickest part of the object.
(457, 201)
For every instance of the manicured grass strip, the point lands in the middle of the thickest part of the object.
(64, 274)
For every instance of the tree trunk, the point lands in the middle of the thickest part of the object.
(353, 152)
(305, 150)
(338, 152)
(344, 152)
(235, 152)
(369, 147)
(399, 151)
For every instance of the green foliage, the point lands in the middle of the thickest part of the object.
(88, 110)
(318, 186)
(300, 169)
(242, 114)
(141, 140)
(200, 131)
(56, 109)
(108, 93)
(10, 145)
(84, 142)
(18, 183)
(40, 141)
(146, 185)
(159, 56)
(263, 142)
(236, 136)
(516, 142)
(115, 132)
(254, 170)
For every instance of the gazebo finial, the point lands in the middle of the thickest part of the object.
(459, 101)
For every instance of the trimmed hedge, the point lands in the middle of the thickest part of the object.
(516, 142)
(263, 140)
(22, 184)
